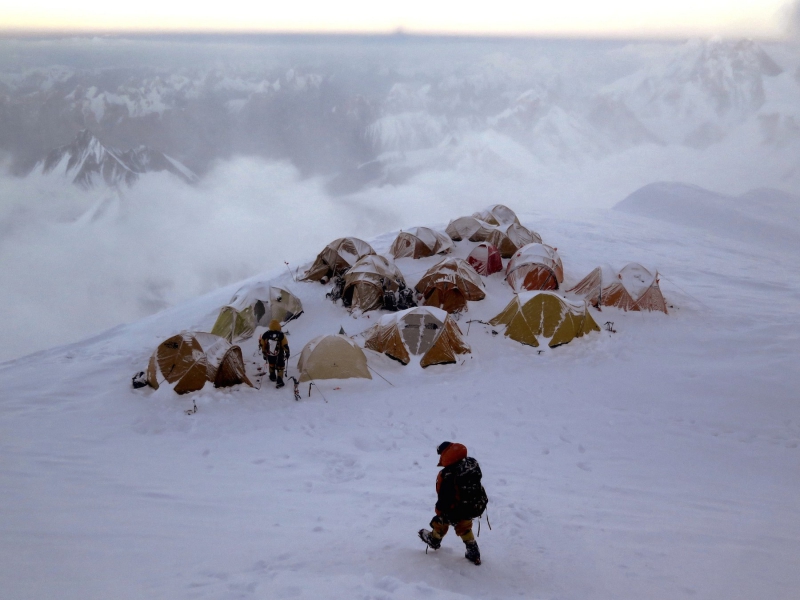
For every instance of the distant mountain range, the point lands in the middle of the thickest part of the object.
(88, 163)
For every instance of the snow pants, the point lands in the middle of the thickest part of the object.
(463, 528)
(276, 363)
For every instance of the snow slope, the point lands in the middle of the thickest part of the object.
(657, 462)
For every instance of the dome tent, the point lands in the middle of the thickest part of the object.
(449, 284)
(485, 259)
(633, 288)
(332, 357)
(336, 258)
(189, 359)
(420, 242)
(468, 228)
(497, 214)
(423, 330)
(363, 288)
(535, 267)
(511, 238)
(534, 317)
(253, 305)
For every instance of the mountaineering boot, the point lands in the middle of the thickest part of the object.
(272, 376)
(280, 383)
(429, 538)
(473, 554)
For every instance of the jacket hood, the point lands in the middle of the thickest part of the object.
(274, 325)
(452, 454)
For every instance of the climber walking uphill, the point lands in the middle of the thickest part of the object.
(275, 350)
(461, 498)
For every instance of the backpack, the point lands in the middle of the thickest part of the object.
(271, 343)
(471, 498)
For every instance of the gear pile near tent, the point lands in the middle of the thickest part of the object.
(632, 288)
(535, 267)
(424, 330)
(366, 280)
(420, 242)
(449, 284)
(542, 316)
(332, 357)
(255, 305)
(190, 359)
(336, 258)
(485, 259)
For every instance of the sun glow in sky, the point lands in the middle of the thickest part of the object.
(499, 17)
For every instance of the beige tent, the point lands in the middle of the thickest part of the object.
(535, 267)
(449, 284)
(253, 305)
(363, 289)
(336, 258)
(423, 330)
(420, 242)
(332, 357)
(468, 228)
(189, 359)
(534, 317)
(511, 238)
(633, 288)
(498, 214)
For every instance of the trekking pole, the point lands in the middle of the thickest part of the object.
(290, 271)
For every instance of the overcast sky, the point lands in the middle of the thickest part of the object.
(567, 17)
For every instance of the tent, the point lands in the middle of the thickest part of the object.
(363, 288)
(497, 214)
(336, 258)
(535, 267)
(449, 284)
(420, 242)
(468, 228)
(542, 316)
(485, 259)
(189, 359)
(423, 330)
(253, 305)
(332, 357)
(633, 288)
(511, 238)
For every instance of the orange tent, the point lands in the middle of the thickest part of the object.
(420, 242)
(510, 239)
(535, 267)
(633, 288)
(336, 258)
(423, 330)
(449, 284)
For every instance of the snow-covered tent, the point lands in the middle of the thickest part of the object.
(509, 239)
(420, 242)
(424, 330)
(449, 284)
(336, 258)
(253, 305)
(535, 267)
(189, 359)
(633, 288)
(537, 317)
(468, 228)
(497, 214)
(332, 357)
(363, 288)
(485, 259)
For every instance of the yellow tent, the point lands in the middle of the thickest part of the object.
(423, 330)
(253, 305)
(542, 316)
(332, 357)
